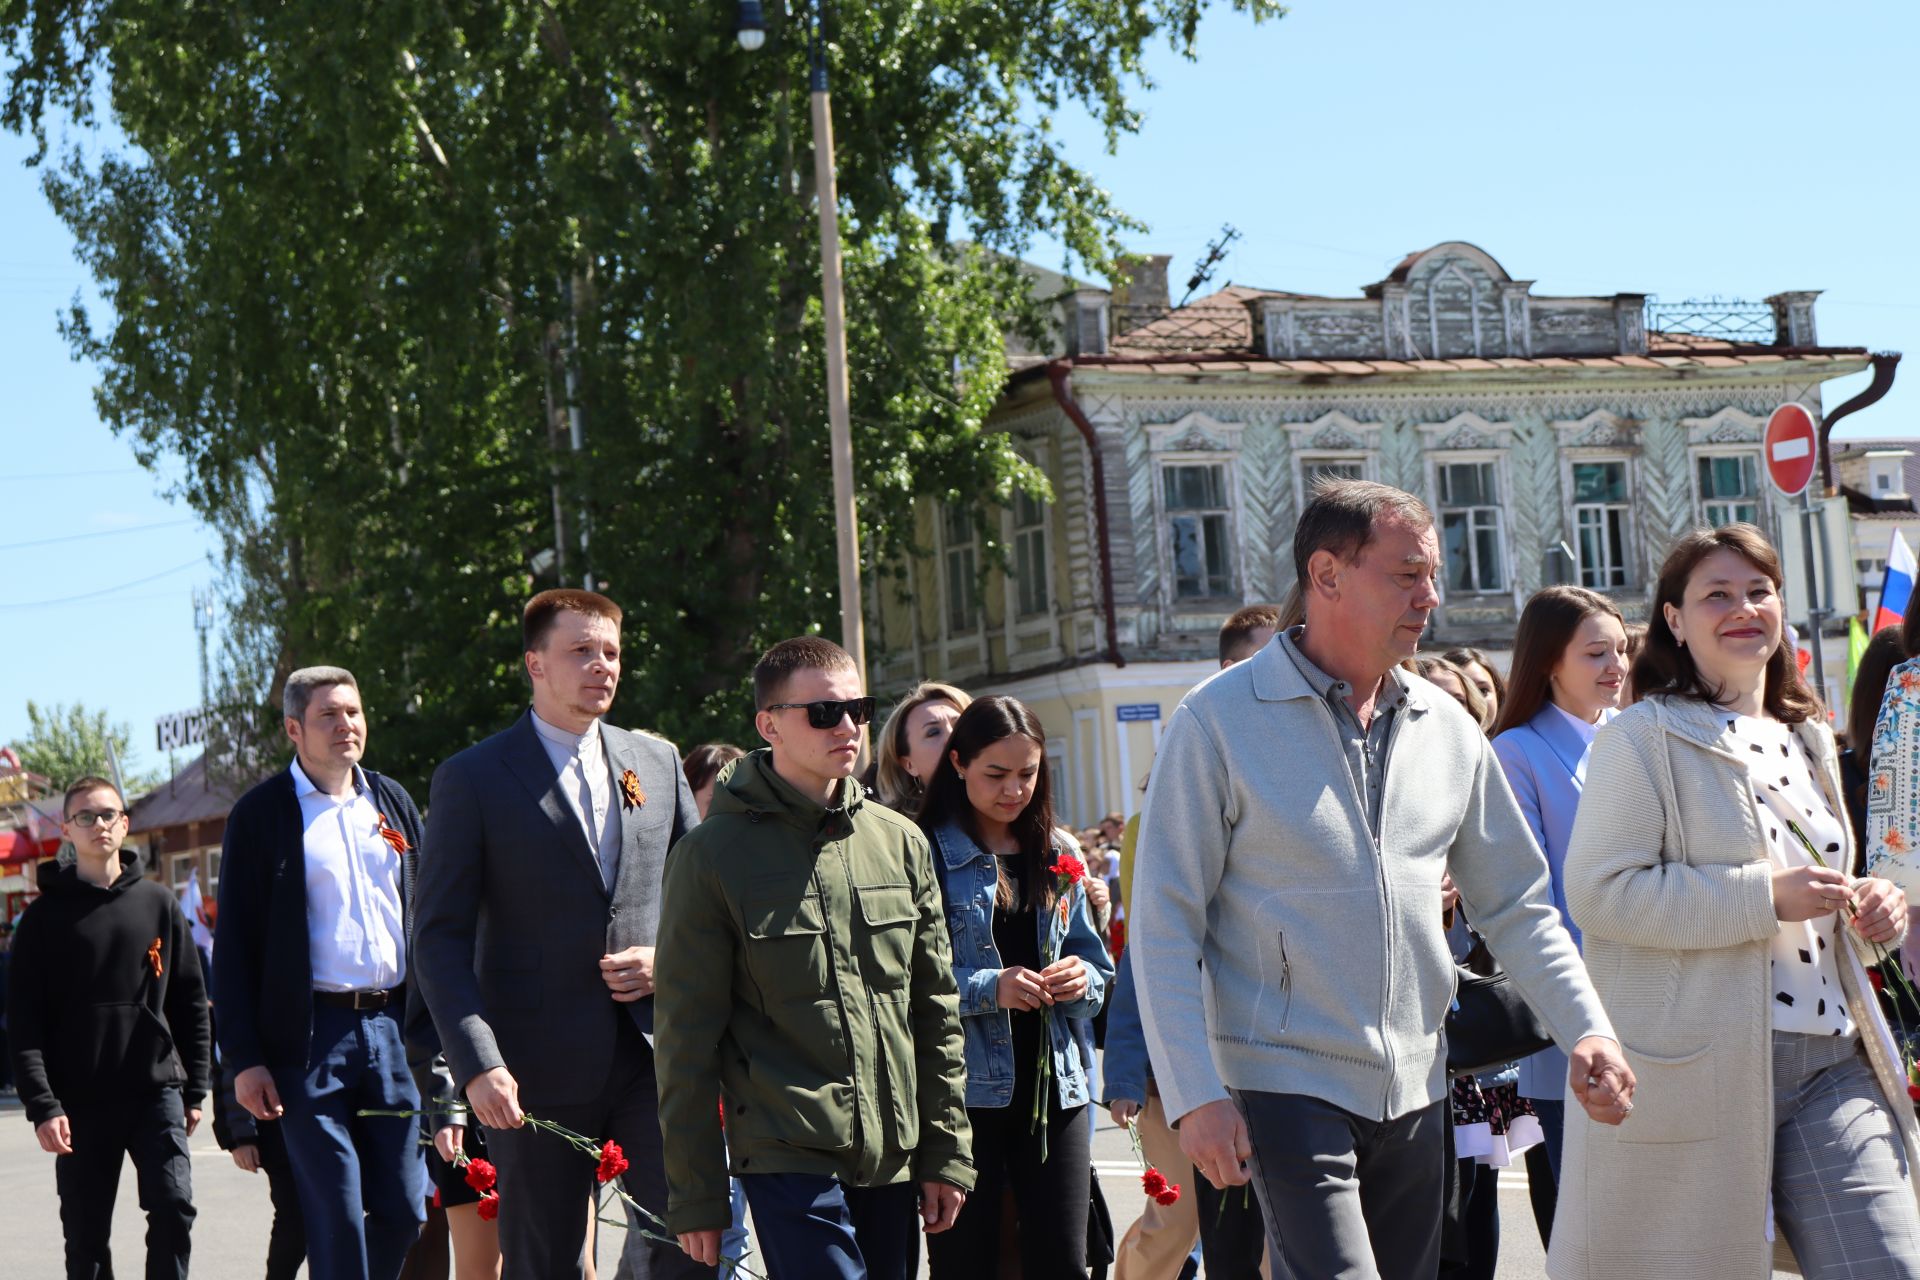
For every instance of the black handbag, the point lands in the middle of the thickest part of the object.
(1101, 1243)
(1490, 1023)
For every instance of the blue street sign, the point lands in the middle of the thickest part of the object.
(1130, 712)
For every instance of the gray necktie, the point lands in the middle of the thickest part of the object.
(584, 794)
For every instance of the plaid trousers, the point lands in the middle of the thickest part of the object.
(1841, 1193)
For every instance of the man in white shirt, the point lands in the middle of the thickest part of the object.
(310, 979)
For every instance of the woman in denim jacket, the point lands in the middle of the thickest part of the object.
(1028, 964)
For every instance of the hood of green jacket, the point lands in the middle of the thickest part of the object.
(750, 786)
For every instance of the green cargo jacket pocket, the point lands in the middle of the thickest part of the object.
(889, 914)
(786, 948)
(893, 1028)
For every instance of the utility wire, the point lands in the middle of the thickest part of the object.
(106, 591)
(98, 533)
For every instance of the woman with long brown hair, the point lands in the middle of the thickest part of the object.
(1484, 675)
(1569, 664)
(1707, 872)
(1028, 964)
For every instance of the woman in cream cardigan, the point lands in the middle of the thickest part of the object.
(1705, 870)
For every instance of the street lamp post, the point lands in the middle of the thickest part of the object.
(751, 31)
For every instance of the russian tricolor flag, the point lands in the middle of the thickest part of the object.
(1897, 586)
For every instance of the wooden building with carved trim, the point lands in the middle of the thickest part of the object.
(1557, 439)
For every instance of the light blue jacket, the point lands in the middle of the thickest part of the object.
(968, 878)
(1124, 1066)
(1545, 761)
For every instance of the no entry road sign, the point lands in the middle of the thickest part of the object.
(1789, 446)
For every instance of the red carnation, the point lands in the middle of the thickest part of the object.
(1168, 1196)
(1069, 868)
(1875, 977)
(489, 1206)
(1153, 1182)
(436, 1197)
(613, 1162)
(482, 1176)
(1913, 1091)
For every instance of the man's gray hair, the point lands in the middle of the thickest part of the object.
(1342, 516)
(302, 684)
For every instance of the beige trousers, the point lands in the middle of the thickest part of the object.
(1157, 1244)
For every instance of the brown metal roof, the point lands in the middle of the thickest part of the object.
(1197, 364)
(186, 797)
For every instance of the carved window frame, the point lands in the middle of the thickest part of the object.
(1228, 464)
(1630, 561)
(1020, 628)
(1367, 461)
(1438, 459)
(1763, 515)
(954, 662)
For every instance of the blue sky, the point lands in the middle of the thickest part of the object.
(1684, 148)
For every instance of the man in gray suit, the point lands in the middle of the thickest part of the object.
(538, 902)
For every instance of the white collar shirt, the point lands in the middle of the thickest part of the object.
(356, 924)
(586, 781)
(1587, 729)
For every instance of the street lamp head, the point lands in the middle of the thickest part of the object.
(750, 26)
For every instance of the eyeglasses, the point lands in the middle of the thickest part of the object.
(97, 817)
(826, 714)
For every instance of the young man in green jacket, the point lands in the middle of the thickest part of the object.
(803, 980)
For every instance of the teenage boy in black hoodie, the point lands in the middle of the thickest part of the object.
(111, 1041)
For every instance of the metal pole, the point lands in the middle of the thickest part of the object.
(576, 427)
(1815, 614)
(845, 511)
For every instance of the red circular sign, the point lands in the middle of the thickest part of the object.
(1790, 444)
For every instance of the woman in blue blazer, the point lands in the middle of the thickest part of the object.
(1569, 666)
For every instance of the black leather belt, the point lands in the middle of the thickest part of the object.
(358, 1000)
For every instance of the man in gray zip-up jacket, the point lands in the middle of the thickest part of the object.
(1294, 975)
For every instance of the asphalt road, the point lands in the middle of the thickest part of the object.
(230, 1236)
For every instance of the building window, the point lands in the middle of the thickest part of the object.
(1882, 482)
(963, 569)
(1600, 523)
(1470, 526)
(1730, 488)
(1029, 553)
(1314, 470)
(1196, 497)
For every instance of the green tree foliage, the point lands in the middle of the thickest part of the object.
(368, 262)
(66, 743)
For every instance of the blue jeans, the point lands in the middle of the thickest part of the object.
(813, 1228)
(362, 1180)
(734, 1241)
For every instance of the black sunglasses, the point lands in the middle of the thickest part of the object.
(826, 714)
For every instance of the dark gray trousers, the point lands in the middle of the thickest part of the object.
(1345, 1197)
(546, 1185)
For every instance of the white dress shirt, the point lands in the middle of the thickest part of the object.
(356, 928)
(586, 780)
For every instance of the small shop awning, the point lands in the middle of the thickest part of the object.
(18, 847)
